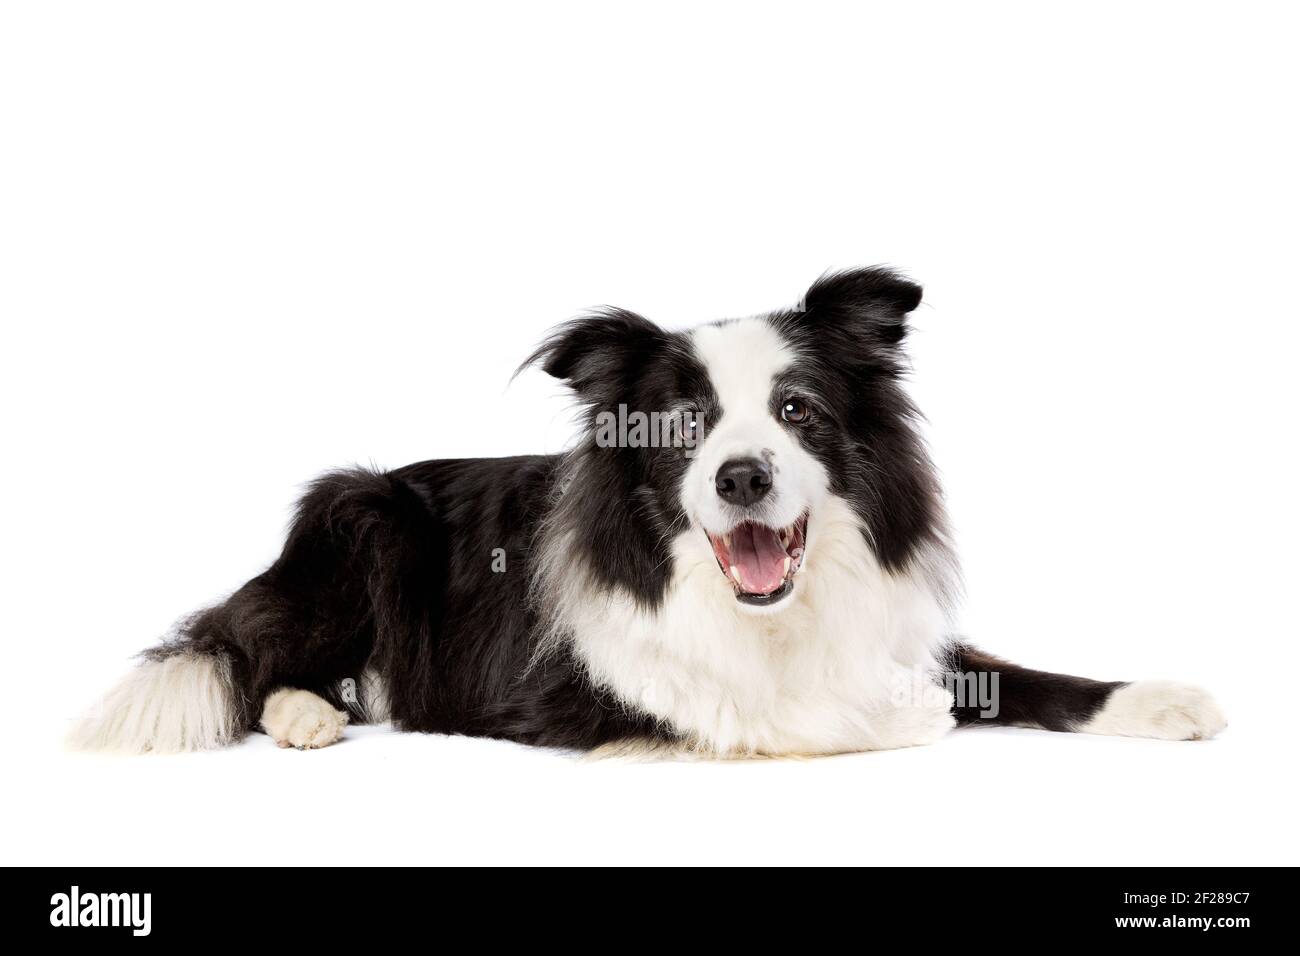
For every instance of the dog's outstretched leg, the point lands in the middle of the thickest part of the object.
(1026, 698)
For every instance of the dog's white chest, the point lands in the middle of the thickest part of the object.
(814, 677)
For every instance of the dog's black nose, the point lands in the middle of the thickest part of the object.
(742, 481)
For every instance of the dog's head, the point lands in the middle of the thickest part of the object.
(740, 432)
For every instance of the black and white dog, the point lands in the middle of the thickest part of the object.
(744, 554)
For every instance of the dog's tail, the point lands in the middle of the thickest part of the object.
(172, 702)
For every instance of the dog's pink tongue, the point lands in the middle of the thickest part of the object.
(757, 553)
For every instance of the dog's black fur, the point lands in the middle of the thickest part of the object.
(395, 571)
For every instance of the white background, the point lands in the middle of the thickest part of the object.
(241, 243)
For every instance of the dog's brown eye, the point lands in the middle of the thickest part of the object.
(794, 411)
(688, 425)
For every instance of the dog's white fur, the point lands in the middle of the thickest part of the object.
(743, 358)
(168, 706)
(818, 676)
(1161, 709)
(301, 719)
(375, 706)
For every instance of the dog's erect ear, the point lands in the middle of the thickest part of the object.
(599, 353)
(876, 298)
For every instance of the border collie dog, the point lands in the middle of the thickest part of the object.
(764, 569)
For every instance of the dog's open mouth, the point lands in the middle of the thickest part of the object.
(761, 562)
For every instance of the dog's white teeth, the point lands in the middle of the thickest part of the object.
(786, 572)
(785, 539)
(735, 573)
(726, 539)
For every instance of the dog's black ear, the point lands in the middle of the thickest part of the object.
(875, 298)
(598, 354)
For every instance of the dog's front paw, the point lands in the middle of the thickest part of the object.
(1161, 709)
(299, 718)
(911, 726)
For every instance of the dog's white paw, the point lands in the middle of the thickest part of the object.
(1161, 709)
(911, 726)
(299, 718)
